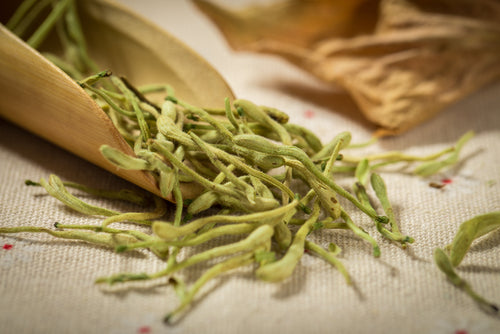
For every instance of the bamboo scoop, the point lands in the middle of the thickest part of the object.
(41, 98)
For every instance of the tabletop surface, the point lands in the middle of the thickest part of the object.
(46, 284)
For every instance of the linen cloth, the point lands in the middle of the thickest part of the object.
(46, 284)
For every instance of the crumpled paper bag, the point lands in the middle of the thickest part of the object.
(402, 61)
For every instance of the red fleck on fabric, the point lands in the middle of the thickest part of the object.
(144, 330)
(7, 246)
(309, 114)
(446, 181)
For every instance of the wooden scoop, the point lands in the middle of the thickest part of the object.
(41, 98)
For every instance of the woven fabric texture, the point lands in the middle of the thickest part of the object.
(47, 284)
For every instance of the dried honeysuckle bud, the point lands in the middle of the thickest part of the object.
(402, 62)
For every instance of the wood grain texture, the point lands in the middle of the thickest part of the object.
(41, 98)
